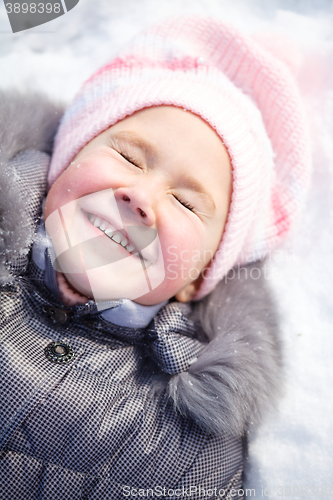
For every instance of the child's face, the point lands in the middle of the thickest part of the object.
(163, 178)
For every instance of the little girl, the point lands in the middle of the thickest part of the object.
(132, 363)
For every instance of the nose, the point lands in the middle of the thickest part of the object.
(138, 201)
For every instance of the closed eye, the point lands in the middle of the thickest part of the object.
(129, 159)
(186, 204)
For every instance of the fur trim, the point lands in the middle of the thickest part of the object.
(26, 122)
(238, 375)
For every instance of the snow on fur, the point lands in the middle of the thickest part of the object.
(27, 122)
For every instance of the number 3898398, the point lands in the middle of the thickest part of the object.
(33, 8)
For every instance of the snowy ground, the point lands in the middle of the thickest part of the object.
(293, 450)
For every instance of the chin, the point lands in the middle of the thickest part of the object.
(80, 284)
(160, 294)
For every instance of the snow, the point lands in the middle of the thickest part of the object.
(293, 449)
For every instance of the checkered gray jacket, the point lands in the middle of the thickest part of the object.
(155, 412)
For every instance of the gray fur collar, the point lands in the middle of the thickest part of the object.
(26, 122)
(237, 375)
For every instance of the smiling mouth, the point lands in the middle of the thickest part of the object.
(113, 233)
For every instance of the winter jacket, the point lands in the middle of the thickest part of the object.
(156, 412)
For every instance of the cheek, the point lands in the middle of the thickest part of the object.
(84, 178)
(71, 185)
(78, 180)
(86, 175)
(182, 246)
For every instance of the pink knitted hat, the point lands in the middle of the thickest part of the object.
(243, 92)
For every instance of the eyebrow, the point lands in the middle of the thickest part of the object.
(187, 181)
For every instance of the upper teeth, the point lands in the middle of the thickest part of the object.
(111, 232)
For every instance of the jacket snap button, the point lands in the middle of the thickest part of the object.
(56, 315)
(59, 352)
